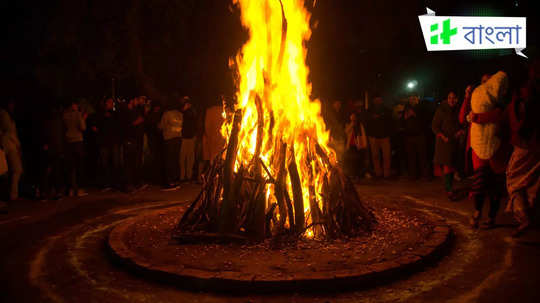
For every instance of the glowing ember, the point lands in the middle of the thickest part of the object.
(273, 75)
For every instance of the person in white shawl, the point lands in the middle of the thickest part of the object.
(356, 147)
(486, 143)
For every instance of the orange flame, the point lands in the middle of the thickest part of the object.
(272, 66)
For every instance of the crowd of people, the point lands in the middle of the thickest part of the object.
(491, 137)
(113, 145)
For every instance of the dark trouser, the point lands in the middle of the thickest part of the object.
(139, 146)
(381, 146)
(172, 159)
(74, 159)
(187, 158)
(461, 158)
(51, 176)
(401, 153)
(355, 162)
(417, 155)
(109, 164)
(131, 172)
(154, 162)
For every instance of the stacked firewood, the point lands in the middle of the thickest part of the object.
(232, 204)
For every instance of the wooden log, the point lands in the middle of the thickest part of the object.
(290, 212)
(252, 222)
(361, 218)
(335, 198)
(270, 140)
(227, 209)
(259, 222)
(320, 152)
(272, 180)
(268, 218)
(187, 219)
(298, 199)
(251, 191)
(280, 187)
(260, 133)
(258, 227)
(213, 208)
(316, 215)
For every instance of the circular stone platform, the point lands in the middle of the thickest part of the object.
(401, 243)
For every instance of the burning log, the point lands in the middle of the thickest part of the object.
(260, 133)
(280, 188)
(316, 215)
(298, 199)
(227, 211)
(258, 225)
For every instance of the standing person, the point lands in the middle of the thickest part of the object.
(107, 140)
(447, 130)
(523, 172)
(140, 107)
(336, 124)
(465, 123)
(355, 147)
(52, 147)
(75, 125)
(464, 119)
(379, 129)
(365, 159)
(12, 148)
(187, 150)
(489, 151)
(155, 144)
(414, 121)
(132, 122)
(171, 127)
(397, 140)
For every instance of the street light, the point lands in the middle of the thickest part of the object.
(412, 84)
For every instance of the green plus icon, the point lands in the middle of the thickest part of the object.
(447, 32)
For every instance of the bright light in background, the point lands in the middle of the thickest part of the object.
(412, 84)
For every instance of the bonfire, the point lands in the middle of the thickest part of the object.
(277, 175)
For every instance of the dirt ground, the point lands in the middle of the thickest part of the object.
(397, 233)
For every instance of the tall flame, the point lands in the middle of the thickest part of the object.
(271, 68)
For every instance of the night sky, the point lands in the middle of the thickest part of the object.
(73, 48)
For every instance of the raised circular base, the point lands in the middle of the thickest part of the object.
(401, 243)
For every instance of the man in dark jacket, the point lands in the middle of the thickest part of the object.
(414, 122)
(154, 164)
(379, 127)
(108, 143)
(52, 152)
(132, 120)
